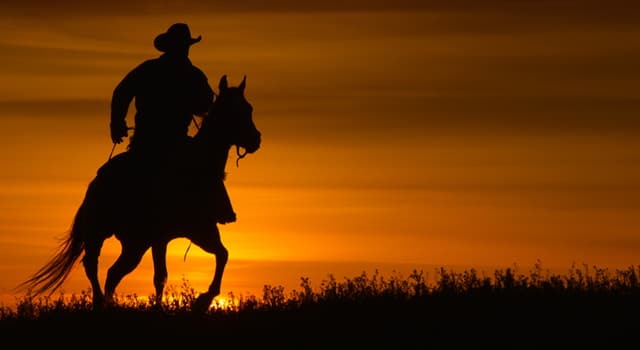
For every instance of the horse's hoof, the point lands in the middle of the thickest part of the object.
(158, 308)
(202, 303)
(157, 305)
(99, 303)
(98, 306)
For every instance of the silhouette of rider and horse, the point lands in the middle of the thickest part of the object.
(167, 184)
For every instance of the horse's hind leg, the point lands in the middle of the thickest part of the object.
(159, 253)
(209, 240)
(130, 256)
(90, 262)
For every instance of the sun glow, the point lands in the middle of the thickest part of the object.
(224, 303)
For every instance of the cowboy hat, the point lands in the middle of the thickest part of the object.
(177, 36)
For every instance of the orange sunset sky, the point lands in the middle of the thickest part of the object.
(396, 134)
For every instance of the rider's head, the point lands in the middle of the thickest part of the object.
(177, 39)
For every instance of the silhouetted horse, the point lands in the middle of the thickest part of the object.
(147, 210)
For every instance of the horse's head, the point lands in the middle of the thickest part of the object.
(232, 117)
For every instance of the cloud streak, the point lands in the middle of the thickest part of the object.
(618, 11)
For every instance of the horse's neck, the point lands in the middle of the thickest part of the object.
(213, 148)
(219, 159)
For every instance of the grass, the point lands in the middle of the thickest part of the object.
(588, 305)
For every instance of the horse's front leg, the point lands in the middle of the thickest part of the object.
(130, 256)
(159, 254)
(209, 240)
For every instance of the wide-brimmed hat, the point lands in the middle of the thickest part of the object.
(177, 36)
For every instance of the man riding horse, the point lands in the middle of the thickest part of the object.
(167, 185)
(169, 91)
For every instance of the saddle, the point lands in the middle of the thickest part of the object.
(165, 186)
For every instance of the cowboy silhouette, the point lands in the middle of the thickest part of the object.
(169, 91)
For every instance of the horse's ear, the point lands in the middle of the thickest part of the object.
(223, 83)
(244, 83)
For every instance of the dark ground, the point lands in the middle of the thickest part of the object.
(434, 322)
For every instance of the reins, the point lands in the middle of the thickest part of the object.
(112, 149)
(240, 156)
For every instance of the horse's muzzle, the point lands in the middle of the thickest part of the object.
(255, 145)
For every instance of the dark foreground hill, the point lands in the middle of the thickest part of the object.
(460, 310)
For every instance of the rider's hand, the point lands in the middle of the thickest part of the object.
(119, 130)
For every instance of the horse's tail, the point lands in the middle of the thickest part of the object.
(51, 276)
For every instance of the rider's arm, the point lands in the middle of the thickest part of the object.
(122, 96)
